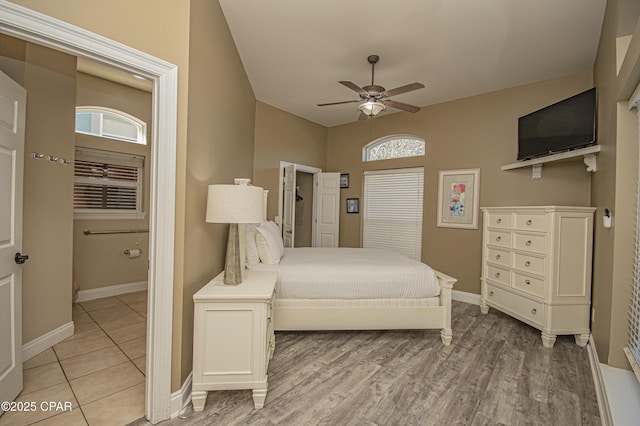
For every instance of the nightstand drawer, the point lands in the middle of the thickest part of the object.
(528, 242)
(499, 238)
(531, 222)
(502, 257)
(528, 263)
(518, 305)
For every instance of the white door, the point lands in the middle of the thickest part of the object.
(12, 119)
(289, 206)
(327, 210)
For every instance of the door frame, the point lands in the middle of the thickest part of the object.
(299, 168)
(35, 27)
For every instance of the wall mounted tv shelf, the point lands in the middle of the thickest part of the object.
(588, 154)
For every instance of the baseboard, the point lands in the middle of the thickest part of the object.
(463, 296)
(598, 381)
(181, 398)
(114, 290)
(46, 341)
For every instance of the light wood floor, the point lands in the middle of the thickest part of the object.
(496, 371)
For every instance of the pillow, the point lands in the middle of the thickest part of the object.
(251, 250)
(275, 229)
(269, 244)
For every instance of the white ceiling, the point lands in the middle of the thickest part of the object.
(295, 51)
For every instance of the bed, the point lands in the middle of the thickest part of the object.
(357, 289)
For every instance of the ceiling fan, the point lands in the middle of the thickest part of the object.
(375, 99)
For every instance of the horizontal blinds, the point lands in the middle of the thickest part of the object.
(107, 181)
(633, 350)
(115, 126)
(392, 211)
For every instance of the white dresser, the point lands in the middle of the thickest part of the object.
(536, 267)
(233, 338)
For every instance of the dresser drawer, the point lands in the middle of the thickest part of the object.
(531, 222)
(502, 257)
(499, 238)
(534, 286)
(528, 263)
(516, 304)
(532, 243)
(499, 220)
(498, 274)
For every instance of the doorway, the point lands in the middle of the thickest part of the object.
(320, 204)
(43, 30)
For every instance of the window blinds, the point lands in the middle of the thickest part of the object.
(392, 210)
(107, 181)
(633, 350)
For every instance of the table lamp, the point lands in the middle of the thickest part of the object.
(237, 205)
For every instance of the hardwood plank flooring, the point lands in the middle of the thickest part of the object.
(496, 372)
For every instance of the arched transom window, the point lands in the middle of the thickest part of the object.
(395, 146)
(110, 123)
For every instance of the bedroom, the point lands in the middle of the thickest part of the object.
(204, 158)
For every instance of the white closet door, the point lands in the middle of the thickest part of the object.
(327, 210)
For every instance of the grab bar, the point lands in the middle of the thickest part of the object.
(128, 231)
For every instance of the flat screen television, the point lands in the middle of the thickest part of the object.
(565, 125)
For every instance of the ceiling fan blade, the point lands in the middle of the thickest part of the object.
(354, 87)
(402, 106)
(362, 116)
(341, 102)
(403, 89)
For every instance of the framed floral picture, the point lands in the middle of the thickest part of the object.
(458, 194)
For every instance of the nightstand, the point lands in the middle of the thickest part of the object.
(233, 338)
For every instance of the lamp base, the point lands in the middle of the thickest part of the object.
(233, 265)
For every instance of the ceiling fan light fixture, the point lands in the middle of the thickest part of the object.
(371, 108)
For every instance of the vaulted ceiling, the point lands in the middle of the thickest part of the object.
(295, 52)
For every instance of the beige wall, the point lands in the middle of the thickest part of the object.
(613, 187)
(49, 78)
(220, 148)
(477, 132)
(98, 260)
(281, 136)
(604, 182)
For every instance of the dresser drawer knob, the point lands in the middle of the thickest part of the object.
(528, 243)
(499, 221)
(527, 282)
(498, 238)
(528, 222)
(490, 293)
(497, 257)
(497, 274)
(534, 311)
(527, 263)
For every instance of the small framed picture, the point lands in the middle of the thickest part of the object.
(353, 205)
(344, 180)
(458, 192)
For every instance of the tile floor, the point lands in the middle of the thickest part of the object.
(100, 370)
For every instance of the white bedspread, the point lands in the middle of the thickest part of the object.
(351, 273)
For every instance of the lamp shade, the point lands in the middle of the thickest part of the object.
(372, 108)
(235, 204)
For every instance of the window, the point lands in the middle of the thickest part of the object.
(392, 210)
(633, 349)
(112, 124)
(396, 146)
(107, 184)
